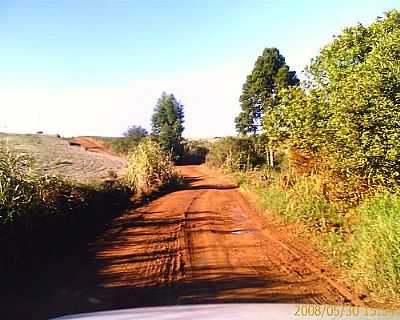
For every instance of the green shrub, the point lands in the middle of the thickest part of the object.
(194, 152)
(149, 167)
(121, 145)
(348, 114)
(237, 154)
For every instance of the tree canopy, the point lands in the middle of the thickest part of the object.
(349, 113)
(269, 75)
(167, 123)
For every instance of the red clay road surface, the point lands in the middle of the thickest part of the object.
(202, 244)
(93, 145)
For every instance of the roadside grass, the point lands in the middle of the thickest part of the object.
(364, 241)
(149, 168)
(42, 216)
(270, 196)
(375, 244)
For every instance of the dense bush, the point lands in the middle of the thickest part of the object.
(149, 167)
(131, 138)
(194, 152)
(242, 153)
(24, 196)
(123, 145)
(349, 115)
(120, 145)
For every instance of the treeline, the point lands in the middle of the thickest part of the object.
(326, 151)
(346, 116)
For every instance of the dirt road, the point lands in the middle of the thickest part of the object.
(202, 244)
(93, 145)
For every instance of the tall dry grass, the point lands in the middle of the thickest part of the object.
(149, 168)
(38, 214)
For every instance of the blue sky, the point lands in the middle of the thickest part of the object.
(96, 67)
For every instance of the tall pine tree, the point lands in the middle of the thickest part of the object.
(167, 123)
(270, 73)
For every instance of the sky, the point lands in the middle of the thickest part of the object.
(96, 67)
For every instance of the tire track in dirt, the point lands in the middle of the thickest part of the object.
(93, 145)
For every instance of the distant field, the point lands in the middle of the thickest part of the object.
(54, 155)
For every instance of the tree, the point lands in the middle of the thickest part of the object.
(350, 113)
(360, 74)
(167, 123)
(269, 75)
(135, 132)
